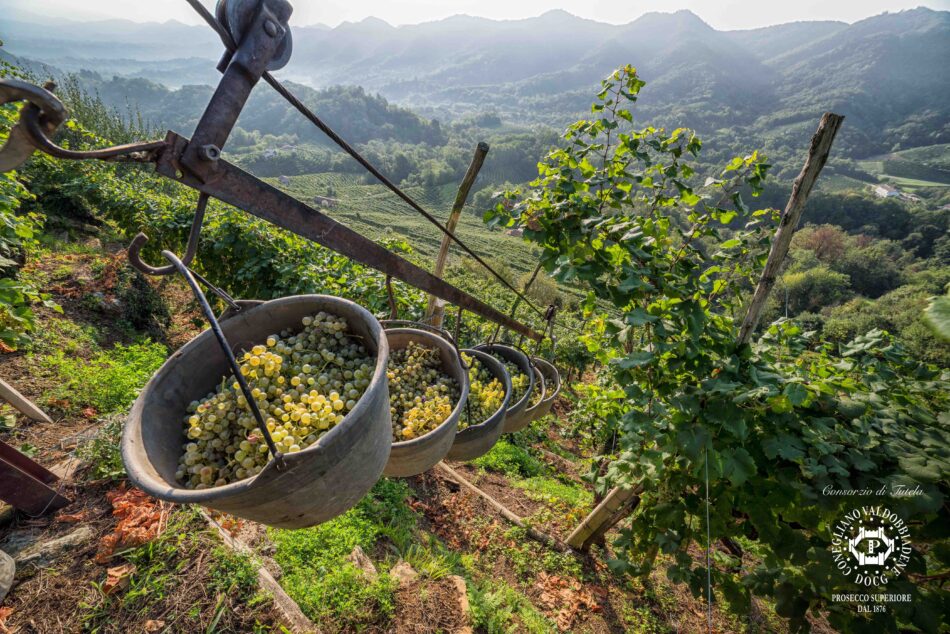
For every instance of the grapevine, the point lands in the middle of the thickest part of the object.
(304, 385)
(421, 395)
(485, 393)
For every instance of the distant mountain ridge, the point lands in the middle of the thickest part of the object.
(886, 73)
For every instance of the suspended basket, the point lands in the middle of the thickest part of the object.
(533, 411)
(549, 374)
(478, 439)
(313, 485)
(412, 457)
(516, 417)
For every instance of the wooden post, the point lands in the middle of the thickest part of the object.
(435, 311)
(22, 404)
(617, 502)
(817, 156)
(620, 502)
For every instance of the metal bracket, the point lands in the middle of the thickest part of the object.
(260, 42)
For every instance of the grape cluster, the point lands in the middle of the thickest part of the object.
(519, 380)
(485, 393)
(304, 385)
(548, 392)
(421, 395)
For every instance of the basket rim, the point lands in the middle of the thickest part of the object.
(542, 364)
(159, 487)
(506, 381)
(463, 389)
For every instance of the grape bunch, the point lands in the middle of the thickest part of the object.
(304, 385)
(485, 393)
(548, 392)
(421, 395)
(519, 380)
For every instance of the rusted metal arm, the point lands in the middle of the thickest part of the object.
(236, 187)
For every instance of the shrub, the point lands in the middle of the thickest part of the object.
(510, 460)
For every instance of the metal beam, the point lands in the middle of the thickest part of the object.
(236, 187)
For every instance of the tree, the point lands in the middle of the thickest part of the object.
(765, 427)
(814, 289)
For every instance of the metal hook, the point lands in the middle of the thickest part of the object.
(549, 315)
(20, 146)
(139, 241)
(179, 267)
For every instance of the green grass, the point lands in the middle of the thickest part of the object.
(328, 588)
(109, 381)
(510, 460)
(64, 335)
(555, 491)
(497, 608)
(837, 183)
(227, 586)
(913, 183)
(914, 168)
(233, 572)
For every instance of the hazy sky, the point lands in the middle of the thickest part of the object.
(726, 14)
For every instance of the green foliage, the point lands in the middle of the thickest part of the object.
(938, 316)
(510, 460)
(233, 573)
(497, 608)
(17, 231)
(330, 589)
(813, 289)
(102, 452)
(110, 380)
(775, 422)
(901, 312)
(555, 491)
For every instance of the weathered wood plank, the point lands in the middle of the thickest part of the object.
(603, 517)
(22, 404)
(25, 485)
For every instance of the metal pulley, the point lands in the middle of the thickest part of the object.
(237, 17)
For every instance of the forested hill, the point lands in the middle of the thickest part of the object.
(357, 115)
(762, 84)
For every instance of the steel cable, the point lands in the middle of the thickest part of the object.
(346, 147)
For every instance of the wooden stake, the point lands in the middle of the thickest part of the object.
(620, 502)
(817, 156)
(21, 403)
(435, 311)
(611, 510)
(533, 533)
